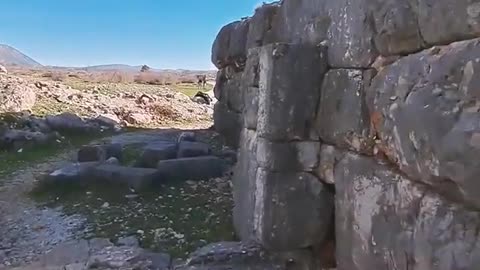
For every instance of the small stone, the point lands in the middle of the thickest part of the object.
(106, 205)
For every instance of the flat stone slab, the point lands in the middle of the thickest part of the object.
(192, 149)
(136, 178)
(74, 173)
(196, 168)
(154, 152)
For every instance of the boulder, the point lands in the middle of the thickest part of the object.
(154, 152)
(195, 169)
(16, 95)
(440, 24)
(3, 70)
(343, 118)
(108, 120)
(68, 122)
(229, 90)
(279, 225)
(136, 178)
(384, 220)
(426, 115)
(283, 88)
(193, 149)
(138, 118)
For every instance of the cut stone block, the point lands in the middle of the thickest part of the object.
(154, 152)
(288, 157)
(279, 224)
(290, 80)
(195, 169)
(193, 149)
(136, 178)
(383, 218)
(343, 118)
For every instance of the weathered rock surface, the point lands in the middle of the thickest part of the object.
(285, 67)
(426, 116)
(77, 173)
(229, 47)
(227, 123)
(385, 220)
(343, 118)
(279, 225)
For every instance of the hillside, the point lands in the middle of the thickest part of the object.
(12, 57)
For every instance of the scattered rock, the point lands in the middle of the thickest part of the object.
(3, 69)
(136, 178)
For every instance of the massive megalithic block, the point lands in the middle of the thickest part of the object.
(274, 176)
(426, 115)
(290, 80)
(343, 118)
(386, 221)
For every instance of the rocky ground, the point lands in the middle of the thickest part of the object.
(49, 225)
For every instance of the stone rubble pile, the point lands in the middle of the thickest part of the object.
(157, 163)
(359, 118)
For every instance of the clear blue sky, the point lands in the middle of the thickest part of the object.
(160, 33)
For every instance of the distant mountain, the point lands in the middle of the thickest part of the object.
(116, 67)
(13, 57)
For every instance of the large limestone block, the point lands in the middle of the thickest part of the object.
(227, 123)
(290, 80)
(229, 47)
(396, 26)
(350, 34)
(445, 21)
(385, 221)
(250, 88)
(244, 178)
(261, 31)
(229, 89)
(287, 157)
(301, 21)
(426, 114)
(292, 210)
(343, 118)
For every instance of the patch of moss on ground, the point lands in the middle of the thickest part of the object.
(174, 219)
(13, 161)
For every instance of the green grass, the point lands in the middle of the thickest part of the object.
(173, 219)
(13, 161)
(188, 89)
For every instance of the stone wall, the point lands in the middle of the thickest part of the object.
(359, 119)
